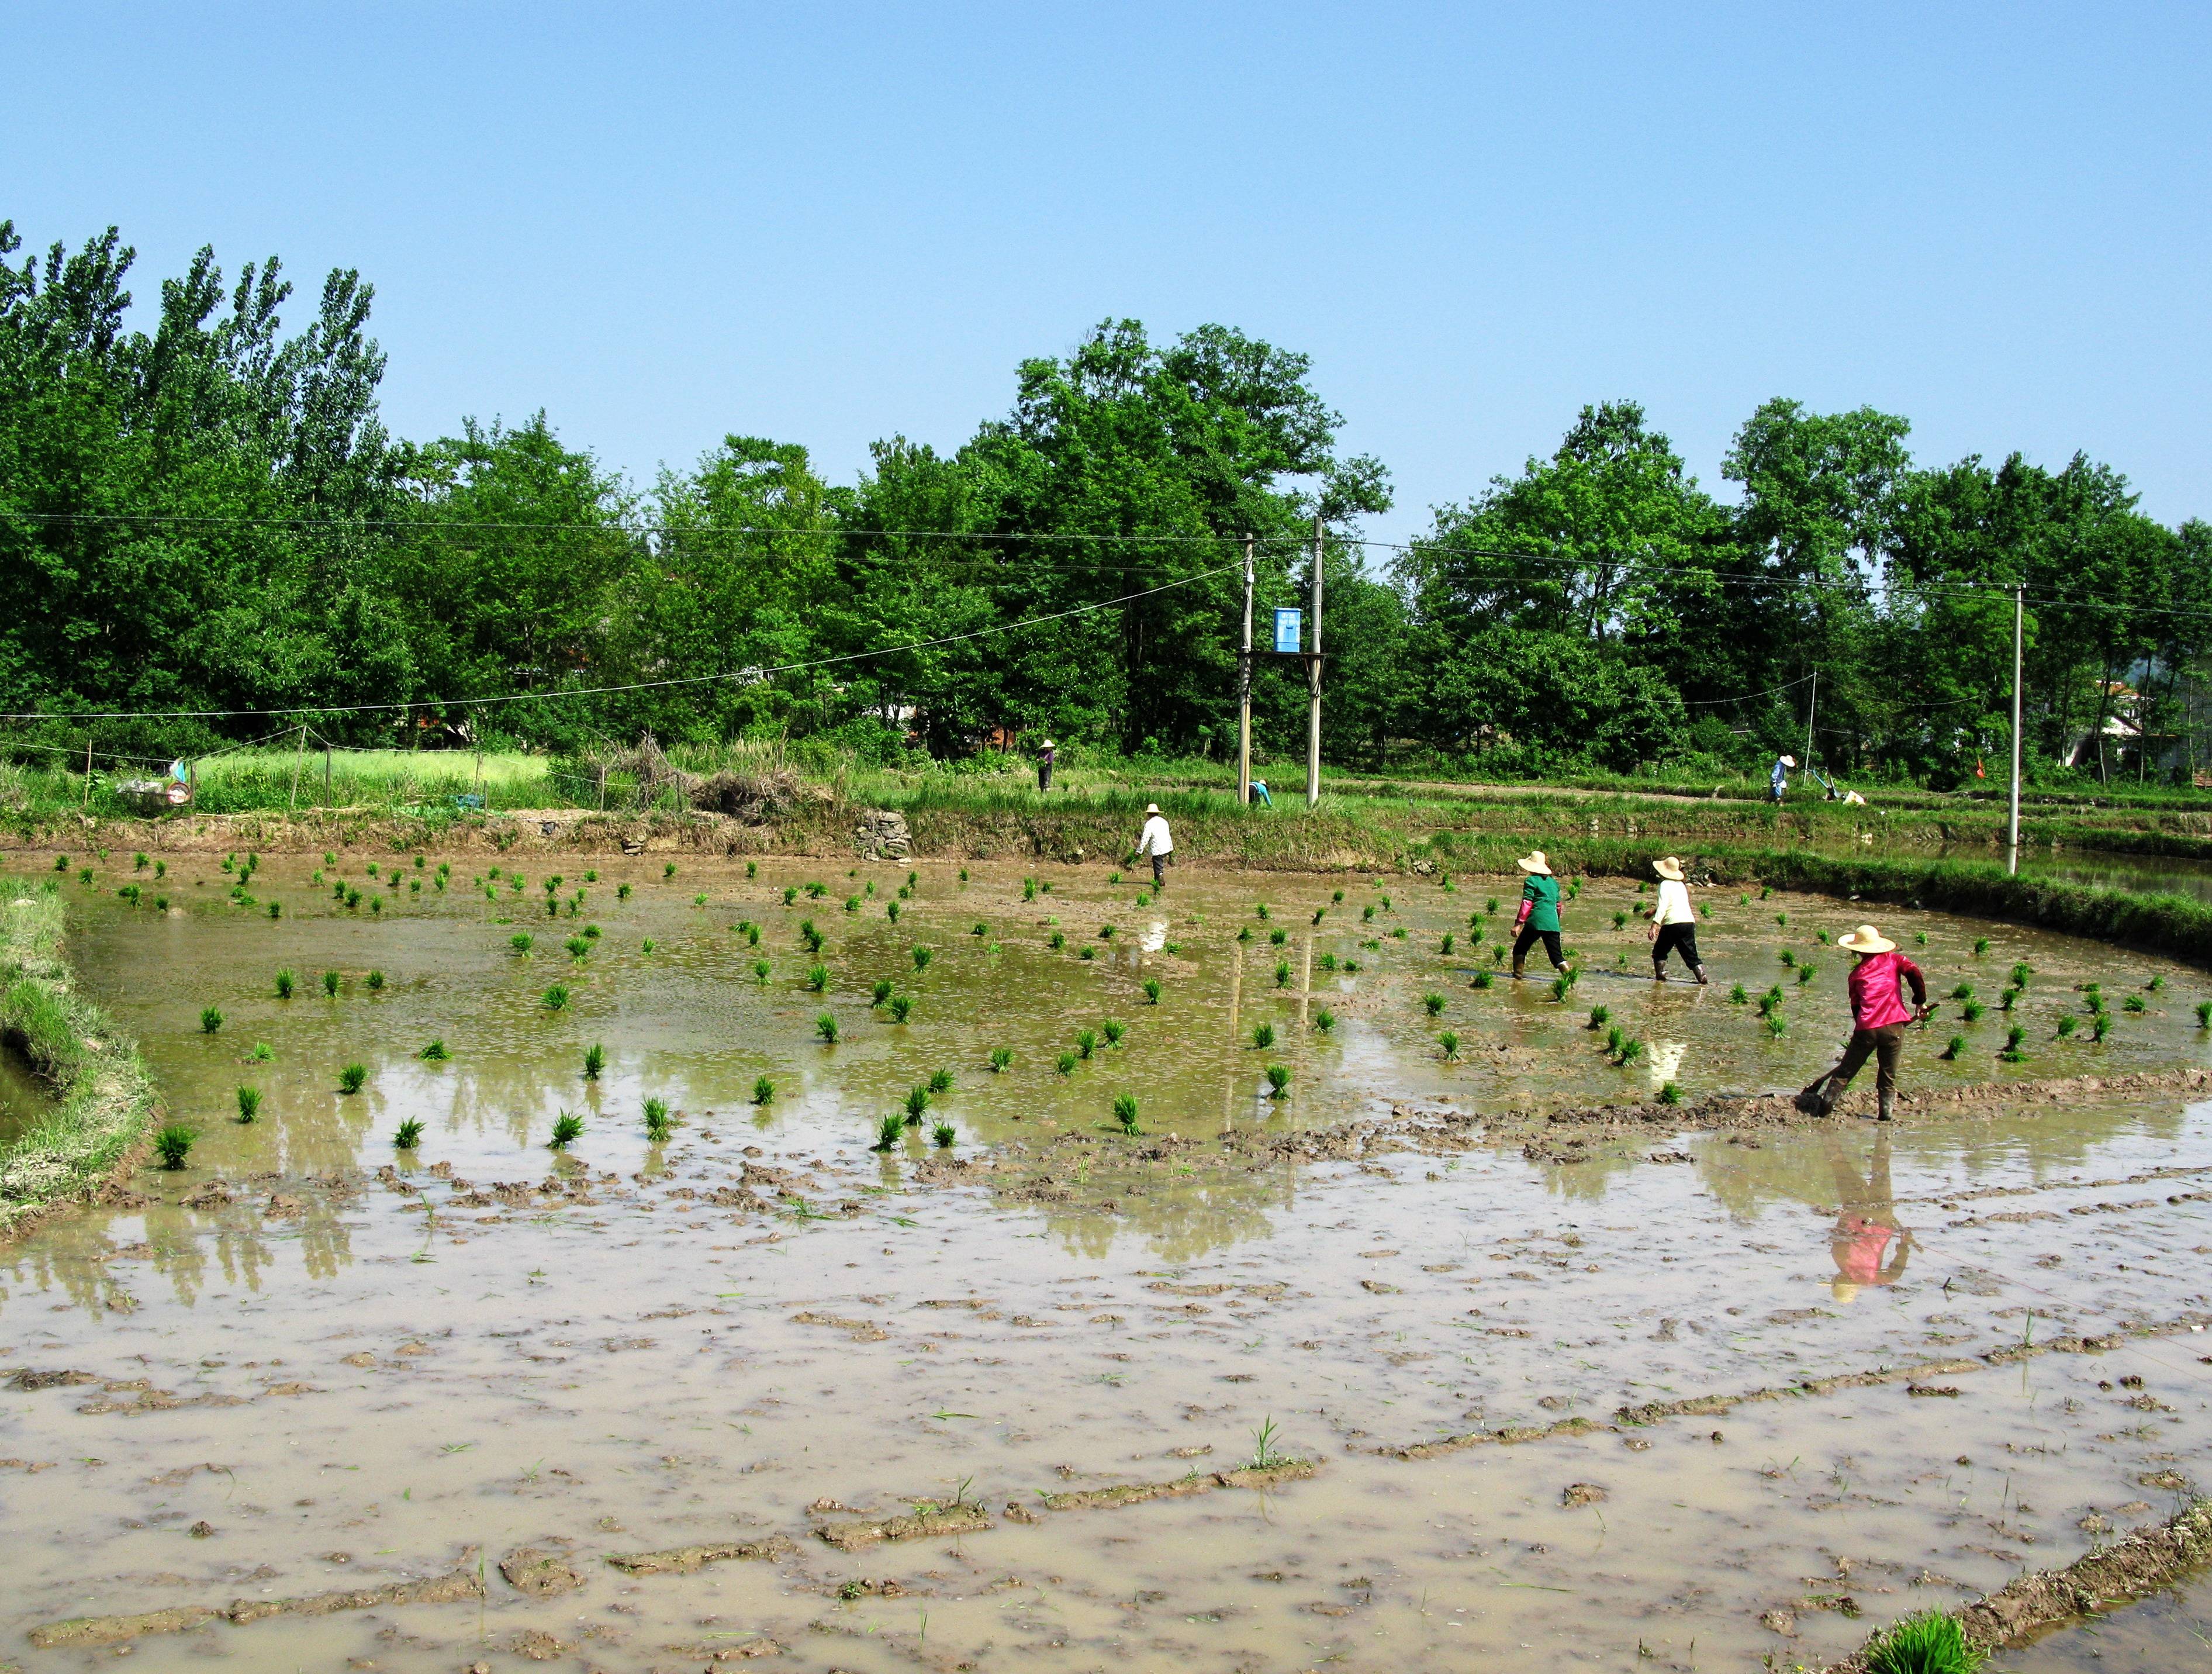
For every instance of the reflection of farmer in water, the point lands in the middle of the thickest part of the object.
(1866, 1223)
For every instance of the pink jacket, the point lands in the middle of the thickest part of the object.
(1875, 1000)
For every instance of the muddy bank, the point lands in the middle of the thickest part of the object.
(2140, 1562)
(103, 1099)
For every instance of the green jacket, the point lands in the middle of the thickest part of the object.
(1544, 895)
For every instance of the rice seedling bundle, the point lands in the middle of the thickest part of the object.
(1064, 1063)
(1433, 1003)
(940, 1082)
(1086, 1042)
(556, 998)
(826, 1026)
(595, 1061)
(901, 1007)
(1669, 1094)
(1482, 979)
(762, 969)
(817, 977)
(1001, 1058)
(1279, 1081)
(1282, 973)
(1449, 1040)
(173, 1143)
(944, 1136)
(211, 1019)
(917, 1103)
(1599, 1017)
(890, 1130)
(1151, 989)
(435, 1052)
(1324, 1019)
(249, 1103)
(567, 1127)
(1263, 1036)
(352, 1077)
(409, 1135)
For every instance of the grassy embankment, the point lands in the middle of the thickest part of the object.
(104, 1099)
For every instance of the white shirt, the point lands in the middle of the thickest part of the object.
(1674, 906)
(1154, 839)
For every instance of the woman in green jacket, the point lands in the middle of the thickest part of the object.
(1539, 913)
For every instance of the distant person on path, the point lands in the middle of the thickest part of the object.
(1154, 840)
(1880, 1018)
(1259, 790)
(1674, 923)
(1046, 752)
(1539, 913)
(1778, 780)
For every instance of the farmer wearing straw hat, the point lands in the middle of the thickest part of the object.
(1045, 753)
(1154, 840)
(1778, 780)
(1540, 912)
(1673, 925)
(1880, 1018)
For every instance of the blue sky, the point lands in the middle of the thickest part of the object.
(827, 224)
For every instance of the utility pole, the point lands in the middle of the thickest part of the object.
(298, 761)
(1812, 709)
(2011, 825)
(1245, 690)
(1313, 682)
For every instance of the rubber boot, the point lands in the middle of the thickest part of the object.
(1887, 1112)
(1658, 973)
(1517, 971)
(1702, 978)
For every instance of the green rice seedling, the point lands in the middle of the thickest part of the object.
(1981, 945)
(1448, 944)
(61, 863)
(1770, 1002)
(1776, 1025)
(853, 904)
(1086, 1042)
(1433, 1003)
(1056, 941)
(1599, 1017)
(753, 936)
(882, 991)
(285, 983)
(1279, 1081)
(1562, 983)
(1620, 921)
(1324, 1019)
(2134, 1003)
(595, 1061)
(669, 870)
(752, 868)
(1064, 1063)
(1614, 1038)
(1320, 913)
(646, 946)
(811, 933)
(555, 998)
(1971, 1011)
(338, 890)
(902, 1008)
(1806, 973)
(944, 1136)
(1260, 910)
(922, 957)
(891, 911)
(1367, 914)
(1386, 903)
(622, 892)
(762, 970)
(790, 895)
(1482, 979)
(826, 1026)
(763, 1091)
(1263, 1036)
(1326, 961)
(1352, 967)
(1632, 1050)
(815, 892)
(2067, 1024)
(160, 903)
(1278, 938)
(1152, 988)
(592, 933)
(577, 946)
(435, 1052)
(276, 908)
(1669, 1094)
(2205, 1014)
(1788, 958)
(2021, 971)
(1925, 1643)
(917, 1103)
(211, 1019)
(2099, 1026)
(2093, 996)
(1920, 938)
(1282, 973)
(1783, 919)
(1029, 889)
(890, 1130)
(657, 1124)
(138, 861)
(1001, 1058)
(940, 1082)
(1244, 933)
(352, 1078)
(567, 1128)
(353, 897)
(817, 977)
(2012, 1052)
(1112, 1029)
(699, 900)
(409, 1137)
(249, 1103)
(2154, 984)
(1087, 951)
(1112, 877)
(1964, 991)
(173, 1143)
(1105, 933)
(1125, 1113)
(1449, 1040)
(2005, 1000)
(1820, 936)
(1952, 1053)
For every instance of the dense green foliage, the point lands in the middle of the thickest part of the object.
(208, 514)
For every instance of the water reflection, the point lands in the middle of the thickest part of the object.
(1869, 1244)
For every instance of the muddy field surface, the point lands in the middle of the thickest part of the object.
(1377, 1373)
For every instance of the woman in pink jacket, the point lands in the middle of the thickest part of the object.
(1880, 1018)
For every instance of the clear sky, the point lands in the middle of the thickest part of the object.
(826, 224)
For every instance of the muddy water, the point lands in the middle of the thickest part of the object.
(349, 1379)
(23, 1097)
(2171, 1630)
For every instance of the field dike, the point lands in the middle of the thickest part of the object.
(105, 1100)
(2139, 1563)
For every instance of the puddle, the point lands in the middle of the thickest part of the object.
(2171, 1629)
(763, 1328)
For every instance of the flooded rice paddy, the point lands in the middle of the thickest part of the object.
(310, 1362)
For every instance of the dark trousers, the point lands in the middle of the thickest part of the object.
(1674, 938)
(1160, 864)
(1884, 1045)
(1527, 939)
(1044, 777)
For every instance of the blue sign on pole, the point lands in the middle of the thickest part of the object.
(1286, 631)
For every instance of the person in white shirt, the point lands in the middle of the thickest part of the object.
(1154, 840)
(1673, 922)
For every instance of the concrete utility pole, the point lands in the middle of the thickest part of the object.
(1812, 709)
(2011, 825)
(1313, 682)
(1245, 690)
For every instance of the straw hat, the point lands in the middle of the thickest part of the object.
(1047, 744)
(1535, 861)
(1151, 807)
(1843, 1290)
(1866, 940)
(1670, 868)
(1789, 761)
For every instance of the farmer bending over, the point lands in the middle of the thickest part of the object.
(1879, 1019)
(1155, 840)
(1539, 913)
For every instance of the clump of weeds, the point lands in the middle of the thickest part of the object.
(1266, 1456)
(567, 1128)
(352, 1078)
(249, 1103)
(173, 1143)
(435, 1052)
